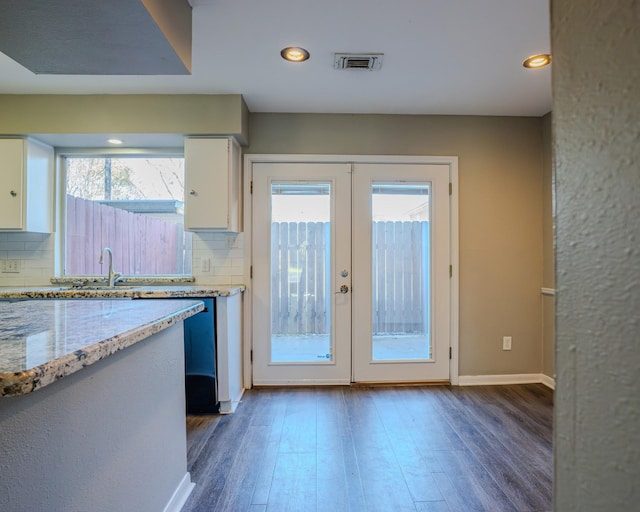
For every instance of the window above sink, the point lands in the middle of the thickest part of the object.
(132, 203)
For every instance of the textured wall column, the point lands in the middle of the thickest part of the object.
(596, 118)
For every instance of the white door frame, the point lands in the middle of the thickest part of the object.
(249, 160)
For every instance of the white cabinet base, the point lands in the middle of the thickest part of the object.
(229, 335)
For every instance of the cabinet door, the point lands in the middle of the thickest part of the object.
(11, 183)
(39, 183)
(207, 179)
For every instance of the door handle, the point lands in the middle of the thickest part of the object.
(343, 289)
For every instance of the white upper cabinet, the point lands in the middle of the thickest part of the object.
(212, 184)
(26, 186)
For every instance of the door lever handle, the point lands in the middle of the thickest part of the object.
(343, 289)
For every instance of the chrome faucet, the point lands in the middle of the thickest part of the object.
(113, 276)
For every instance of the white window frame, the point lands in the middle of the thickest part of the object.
(61, 187)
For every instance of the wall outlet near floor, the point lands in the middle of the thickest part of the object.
(10, 266)
(506, 343)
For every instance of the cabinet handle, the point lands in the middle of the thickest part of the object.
(13, 193)
(193, 193)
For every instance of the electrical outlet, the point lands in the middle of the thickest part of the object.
(506, 343)
(10, 266)
(206, 264)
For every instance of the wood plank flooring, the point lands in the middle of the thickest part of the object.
(387, 449)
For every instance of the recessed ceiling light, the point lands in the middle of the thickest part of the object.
(294, 54)
(537, 61)
(116, 142)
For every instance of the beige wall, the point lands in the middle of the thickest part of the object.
(188, 114)
(501, 212)
(596, 141)
(548, 210)
(548, 253)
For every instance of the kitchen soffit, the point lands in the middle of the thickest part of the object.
(97, 37)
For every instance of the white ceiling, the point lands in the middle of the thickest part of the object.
(440, 57)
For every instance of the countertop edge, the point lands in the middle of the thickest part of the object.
(142, 292)
(22, 383)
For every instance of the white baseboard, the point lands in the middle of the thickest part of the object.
(180, 495)
(491, 380)
(550, 382)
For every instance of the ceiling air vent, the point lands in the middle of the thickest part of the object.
(366, 61)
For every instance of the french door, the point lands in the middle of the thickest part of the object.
(301, 260)
(350, 272)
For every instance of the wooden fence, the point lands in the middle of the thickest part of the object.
(300, 278)
(401, 277)
(141, 244)
(299, 304)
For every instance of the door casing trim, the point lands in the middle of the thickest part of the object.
(250, 159)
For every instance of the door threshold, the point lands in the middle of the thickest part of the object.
(403, 384)
(353, 384)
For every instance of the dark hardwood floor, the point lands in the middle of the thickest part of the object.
(387, 449)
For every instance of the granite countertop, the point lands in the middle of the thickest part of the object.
(135, 291)
(42, 341)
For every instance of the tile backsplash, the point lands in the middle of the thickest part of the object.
(218, 258)
(35, 253)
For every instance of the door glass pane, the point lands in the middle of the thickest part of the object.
(300, 272)
(400, 279)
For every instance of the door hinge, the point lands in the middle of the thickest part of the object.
(450, 353)
(251, 272)
(450, 270)
(450, 189)
(251, 356)
(251, 187)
